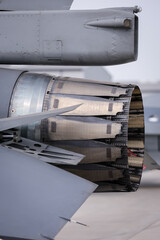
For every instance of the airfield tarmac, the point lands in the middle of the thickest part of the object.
(119, 216)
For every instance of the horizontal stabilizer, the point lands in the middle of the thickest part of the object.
(34, 196)
(23, 5)
(105, 36)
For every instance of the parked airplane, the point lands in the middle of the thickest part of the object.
(100, 132)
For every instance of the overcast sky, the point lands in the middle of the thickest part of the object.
(147, 67)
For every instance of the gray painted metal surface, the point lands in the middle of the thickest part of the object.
(35, 195)
(52, 37)
(35, 4)
(12, 122)
(36, 198)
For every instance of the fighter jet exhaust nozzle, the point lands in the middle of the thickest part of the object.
(107, 127)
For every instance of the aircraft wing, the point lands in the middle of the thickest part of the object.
(12, 122)
(36, 198)
(24, 5)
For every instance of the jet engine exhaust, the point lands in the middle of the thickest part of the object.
(108, 126)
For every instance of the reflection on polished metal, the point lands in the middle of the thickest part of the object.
(44, 152)
(108, 128)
